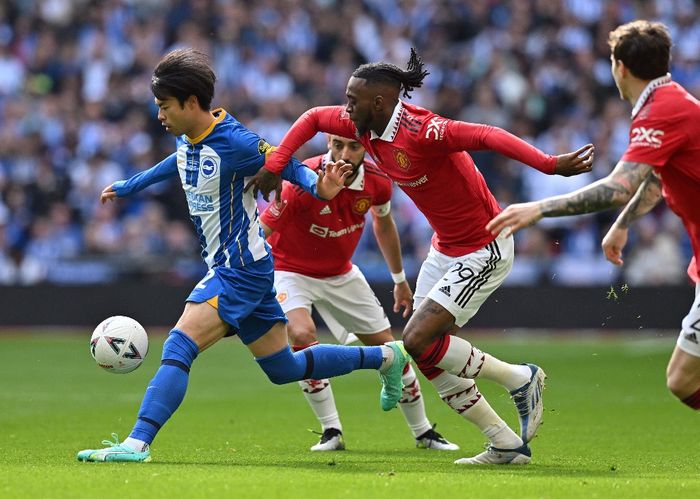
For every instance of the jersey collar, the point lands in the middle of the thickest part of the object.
(359, 183)
(392, 127)
(651, 86)
(205, 133)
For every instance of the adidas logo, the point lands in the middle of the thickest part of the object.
(692, 337)
(326, 210)
(446, 290)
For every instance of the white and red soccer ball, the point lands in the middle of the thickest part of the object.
(119, 344)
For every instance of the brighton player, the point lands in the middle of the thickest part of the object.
(312, 242)
(425, 154)
(662, 161)
(215, 153)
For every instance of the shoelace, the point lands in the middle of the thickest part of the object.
(109, 443)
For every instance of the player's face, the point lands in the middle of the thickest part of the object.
(172, 116)
(359, 105)
(350, 151)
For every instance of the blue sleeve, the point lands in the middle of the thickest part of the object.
(249, 156)
(162, 171)
(300, 174)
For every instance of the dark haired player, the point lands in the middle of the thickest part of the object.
(662, 161)
(425, 154)
(214, 155)
(313, 241)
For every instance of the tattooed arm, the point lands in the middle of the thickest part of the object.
(647, 196)
(612, 191)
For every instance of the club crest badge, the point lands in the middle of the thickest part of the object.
(362, 205)
(402, 159)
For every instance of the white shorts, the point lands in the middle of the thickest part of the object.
(346, 303)
(461, 284)
(689, 339)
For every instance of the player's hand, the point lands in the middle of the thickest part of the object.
(108, 194)
(265, 182)
(331, 181)
(514, 218)
(574, 163)
(613, 243)
(403, 297)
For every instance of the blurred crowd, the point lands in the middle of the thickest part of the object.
(76, 114)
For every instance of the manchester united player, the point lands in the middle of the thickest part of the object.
(662, 160)
(425, 154)
(312, 243)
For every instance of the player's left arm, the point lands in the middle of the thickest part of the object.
(610, 192)
(250, 152)
(388, 241)
(647, 196)
(463, 136)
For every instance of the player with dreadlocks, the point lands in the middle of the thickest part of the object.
(425, 155)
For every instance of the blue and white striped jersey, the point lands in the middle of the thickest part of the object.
(213, 169)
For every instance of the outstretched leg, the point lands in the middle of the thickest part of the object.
(199, 327)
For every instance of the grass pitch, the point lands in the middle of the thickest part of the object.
(610, 429)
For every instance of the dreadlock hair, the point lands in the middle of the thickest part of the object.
(383, 72)
(184, 72)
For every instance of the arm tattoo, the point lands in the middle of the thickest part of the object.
(614, 190)
(648, 196)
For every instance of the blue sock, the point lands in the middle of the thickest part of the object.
(318, 362)
(167, 388)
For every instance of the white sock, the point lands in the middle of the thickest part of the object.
(387, 358)
(412, 405)
(135, 444)
(464, 397)
(467, 361)
(319, 395)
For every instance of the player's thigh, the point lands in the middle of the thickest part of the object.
(683, 373)
(201, 322)
(471, 279)
(350, 301)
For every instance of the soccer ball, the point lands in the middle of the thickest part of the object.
(119, 344)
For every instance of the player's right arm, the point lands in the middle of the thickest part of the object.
(123, 188)
(610, 192)
(328, 119)
(648, 195)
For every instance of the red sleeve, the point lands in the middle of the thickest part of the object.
(462, 136)
(384, 191)
(328, 119)
(654, 139)
(277, 214)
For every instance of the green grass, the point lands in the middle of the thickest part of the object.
(611, 429)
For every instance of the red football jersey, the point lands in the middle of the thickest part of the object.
(665, 133)
(425, 155)
(317, 238)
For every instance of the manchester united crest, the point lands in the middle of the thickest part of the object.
(361, 205)
(402, 159)
(282, 296)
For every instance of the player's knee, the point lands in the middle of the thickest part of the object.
(414, 342)
(301, 335)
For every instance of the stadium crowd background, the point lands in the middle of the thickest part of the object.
(76, 114)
